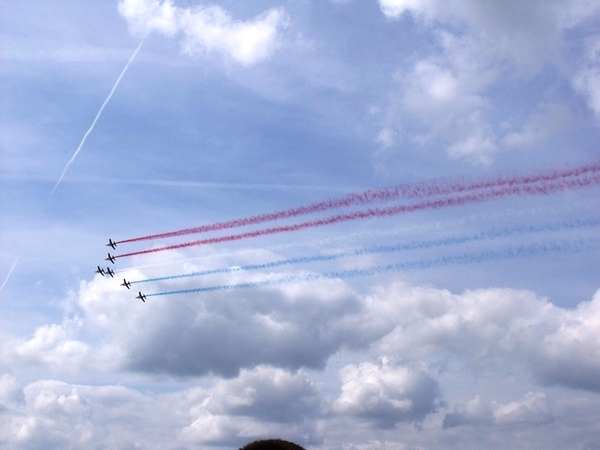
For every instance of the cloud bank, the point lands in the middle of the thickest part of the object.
(208, 30)
(450, 92)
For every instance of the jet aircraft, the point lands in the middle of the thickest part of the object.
(110, 272)
(112, 244)
(126, 283)
(141, 296)
(110, 258)
(100, 270)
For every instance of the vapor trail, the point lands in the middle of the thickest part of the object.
(464, 258)
(541, 189)
(424, 189)
(414, 245)
(10, 271)
(112, 91)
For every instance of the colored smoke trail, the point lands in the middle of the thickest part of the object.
(85, 136)
(329, 240)
(346, 237)
(542, 189)
(448, 260)
(414, 245)
(423, 189)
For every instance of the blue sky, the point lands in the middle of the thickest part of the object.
(232, 109)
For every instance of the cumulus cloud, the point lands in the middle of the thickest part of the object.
(248, 348)
(445, 93)
(266, 393)
(480, 42)
(208, 29)
(10, 391)
(288, 326)
(303, 326)
(52, 346)
(496, 327)
(256, 402)
(386, 394)
(55, 414)
(533, 409)
(569, 354)
(529, 33)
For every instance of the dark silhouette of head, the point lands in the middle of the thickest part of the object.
(271, 444)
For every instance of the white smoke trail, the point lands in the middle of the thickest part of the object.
(10, 271)
(112, 91)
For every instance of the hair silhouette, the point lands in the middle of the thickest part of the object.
(271, 444)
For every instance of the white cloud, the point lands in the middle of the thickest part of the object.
(587, 79)
(570, 353)
(10, 391)
(386, 394)
(547, 121)
(304, 325)
(266, 393)
(253, 404)
(208, 29)
(288, 326)
(52, 347)
(386, 137)
(54, 414)
(529, 33)
(395, 8)
(533, 409)
(146, 16)
(444, 92)
(409, 330)
(496, 328)
(479, 44)
(211, 29)
(478, 146)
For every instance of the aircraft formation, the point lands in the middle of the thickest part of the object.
(109, 271)
(428, 195)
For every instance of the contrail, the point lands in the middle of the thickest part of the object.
(424, 189)
(10, 271)
(414, 245)
(541, 189)
(464, 258)
(112, 91)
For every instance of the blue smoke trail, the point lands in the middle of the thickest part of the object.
(415, 245)
(464, 258)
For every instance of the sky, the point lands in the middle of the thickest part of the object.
(444, 295)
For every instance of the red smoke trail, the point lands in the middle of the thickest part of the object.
(423, 189)
(541, 189)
